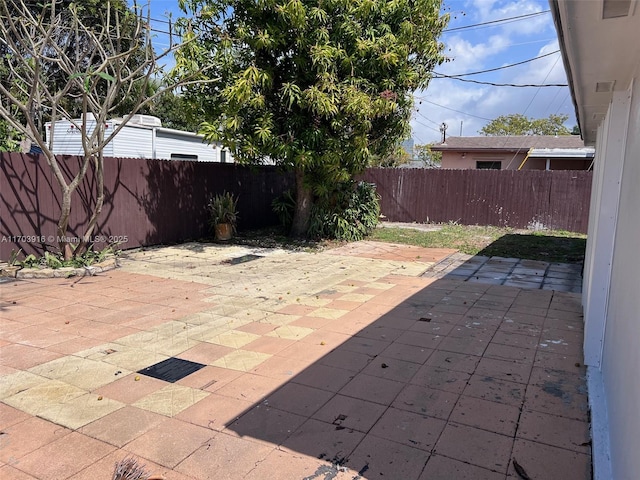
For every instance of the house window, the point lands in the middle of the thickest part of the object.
(223, 156)
(489, 165)
(183, 156)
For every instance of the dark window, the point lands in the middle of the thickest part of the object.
(489, 165)
(223, 156)
(183, 156)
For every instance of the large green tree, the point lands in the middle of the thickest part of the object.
(518, 124)
(317, 87)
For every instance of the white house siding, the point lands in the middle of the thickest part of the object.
(168, 143)
(612, 269)
(131, 142)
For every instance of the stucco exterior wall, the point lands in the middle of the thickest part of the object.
(455, 160)
(612, 329)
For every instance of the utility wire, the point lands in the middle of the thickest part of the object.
(502, 20)
(517, 85)
(452, 109)
(498, 68)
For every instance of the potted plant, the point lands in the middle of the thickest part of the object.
(223, 215)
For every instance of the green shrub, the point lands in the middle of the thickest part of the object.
(222, 209)
(284, 207)
(350, 212)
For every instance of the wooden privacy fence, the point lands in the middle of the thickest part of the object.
(147, 202)
(161, 202)
(556, 200)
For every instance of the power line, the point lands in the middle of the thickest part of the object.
(517, 85)
(502, 20)
(452, 109)
(498, 68)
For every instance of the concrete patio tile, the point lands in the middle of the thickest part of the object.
(280, 368)
(491, 416)
(23, 357)
(266, 425)
(558, 399)
(441, 379)
(224, 457)
(351, 413)
(249, 387)
(232, 338)
(289, 464)
(28, 435)
(508, 353)
(170, 442)
(443, 468)
(324, 377)
(323, 440)
(130, 388)
(122, 426)
(10, 416)
(376, 458)
(215, 412)
(544, 461)
(77, 412)
(7, 471)
(18, 382)
(409, 428)
(80, 372)
(47, 394)
(299, 399)
(86, 451)
(205, 353)
(290, 332)
(495, 390)
(557, 431)
(477, 447)
(453, 361)
(464, 345)
(103, 469)
(426, 401)
(391, 369)
(348, 360)
(407, 353)
(170, 400)
(514, 339)
(373, 389)
(241, 360)
(509, 370)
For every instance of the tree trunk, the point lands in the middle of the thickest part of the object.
(302, 214)
(63, 223)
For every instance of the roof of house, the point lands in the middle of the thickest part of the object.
(510, 143)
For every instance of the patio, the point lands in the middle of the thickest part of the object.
(367, 361)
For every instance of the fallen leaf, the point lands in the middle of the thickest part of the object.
(520, 471)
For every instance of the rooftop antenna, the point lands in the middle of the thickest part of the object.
(443, 131)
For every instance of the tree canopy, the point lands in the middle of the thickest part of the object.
(317, 87)
(518, 124)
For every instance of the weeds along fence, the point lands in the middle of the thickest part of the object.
(150, 202)
(557, 200)
(147, 202)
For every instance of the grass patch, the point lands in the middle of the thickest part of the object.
(549, 246)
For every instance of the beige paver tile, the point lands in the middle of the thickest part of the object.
(122, 426)
(130, 388)
(43, 396)
(171, 400)
(232, 338)
(81, 372)
(328, 313)
(19, 382)
(241, 360)
(133, 359)
(290, 332)
(79, 411)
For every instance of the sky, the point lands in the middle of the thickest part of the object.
(469, 47)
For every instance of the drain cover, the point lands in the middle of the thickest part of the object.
(172, 369)
(242, 259)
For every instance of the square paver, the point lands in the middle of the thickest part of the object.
(409, 428)
(347, 412)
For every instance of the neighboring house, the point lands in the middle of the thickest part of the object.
(142, 137)
(600, 44)
(524, 152)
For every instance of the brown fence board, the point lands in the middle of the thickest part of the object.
(148, 201)
(556, 200)
(159, 201)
